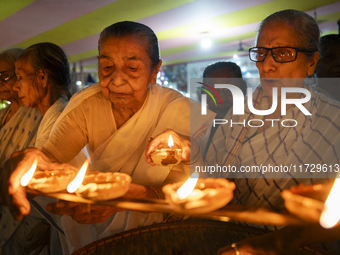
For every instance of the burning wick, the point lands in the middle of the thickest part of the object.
(188, 186)
(331, 211)
(28, 176)
(77, 181)
(170, 142)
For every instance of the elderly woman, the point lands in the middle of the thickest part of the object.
(286, 47)
(114, 119)
(43, 83)
(7, 79)
(14, 117)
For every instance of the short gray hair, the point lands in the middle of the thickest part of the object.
(303, 24)
(11, 56)
(146, 35)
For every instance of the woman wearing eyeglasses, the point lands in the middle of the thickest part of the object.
(17, 122)
(292, 146)
(7, 80)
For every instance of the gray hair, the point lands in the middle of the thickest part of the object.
(51, 58)
(303, 24)
(129, 28)
(11, 56)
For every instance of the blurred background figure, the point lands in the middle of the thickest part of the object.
(329, 66)
(7, 80)
(18, 124)
(221, 73)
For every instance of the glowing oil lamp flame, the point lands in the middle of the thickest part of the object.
(77, 181)
(331, 210)
(188, 186)
(28, 176)
(170, 142)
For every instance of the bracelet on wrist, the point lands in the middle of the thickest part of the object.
(155, 192)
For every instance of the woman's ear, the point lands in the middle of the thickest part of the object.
(43, 78)
(312, 64)
(155, 72)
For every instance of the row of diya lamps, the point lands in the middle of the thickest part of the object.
(195, 196)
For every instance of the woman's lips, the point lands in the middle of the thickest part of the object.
(119, 94)
(269, 82)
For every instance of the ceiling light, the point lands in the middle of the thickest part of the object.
(206, 43)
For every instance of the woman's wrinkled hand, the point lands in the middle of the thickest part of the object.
(161, 141)
(83, 213)
(14, 195)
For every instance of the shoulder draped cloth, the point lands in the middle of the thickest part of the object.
(19, 132)
(122, 149)
(13, 237)
(314, 140)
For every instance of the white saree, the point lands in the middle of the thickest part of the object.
(89, 120)
(19, 132)
(3, 114)
(13, 238)
(314, 140)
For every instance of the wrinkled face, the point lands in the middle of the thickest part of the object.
(6, 87)
(329, 63)
(125, 71)
(279, 35)
(30, 91)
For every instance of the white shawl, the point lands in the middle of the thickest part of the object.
(124, 149)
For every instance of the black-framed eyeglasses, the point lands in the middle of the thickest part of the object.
(6, 76)
(279, 54)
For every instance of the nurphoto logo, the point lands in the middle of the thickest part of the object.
(238, 104)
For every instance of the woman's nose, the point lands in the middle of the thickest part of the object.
(16, 86)
(118, 77)
(269, 64)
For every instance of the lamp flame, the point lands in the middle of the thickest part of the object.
(170, 142)
(77, 181)
(188, 186)
(331, 211)
(25, 179)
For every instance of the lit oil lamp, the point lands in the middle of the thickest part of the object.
(77, 181)
(315, 203)
(25, 179)
(47, 181)
(330, 215)
(99, 185)
(167, 156)
(198, 196)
